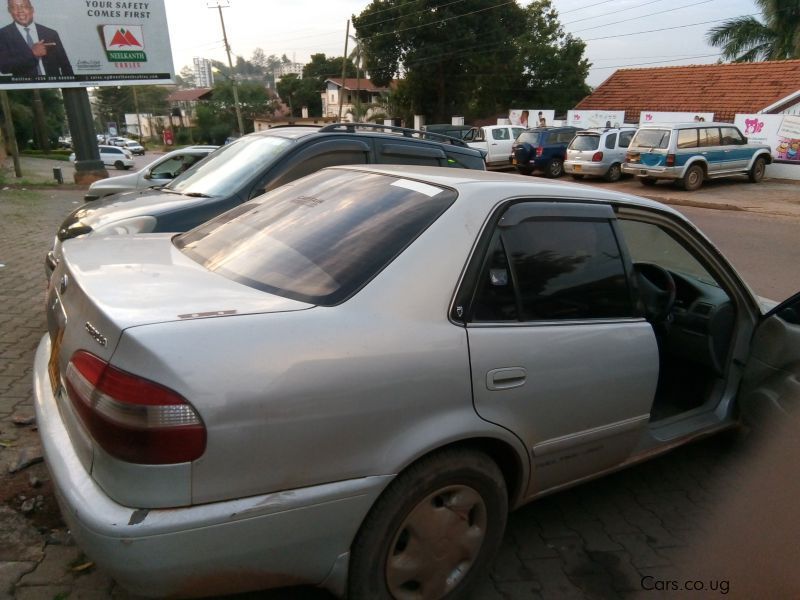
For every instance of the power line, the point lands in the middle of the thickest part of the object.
(592, 5)
(645, 16)
(612, 12)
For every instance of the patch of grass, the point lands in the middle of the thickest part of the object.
(62, 155)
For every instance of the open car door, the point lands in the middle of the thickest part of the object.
(770, 387)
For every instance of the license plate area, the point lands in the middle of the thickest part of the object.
(577, 168)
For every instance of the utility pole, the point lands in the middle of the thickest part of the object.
(238, 108)
(11, 138)
(344, 68)
(138, 115)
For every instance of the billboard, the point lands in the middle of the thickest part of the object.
(67, 44)
(531, 117)
(649, 116)
(779, 132)
(595, 118)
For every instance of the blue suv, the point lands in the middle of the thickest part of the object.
(690, 153)
(542, 149)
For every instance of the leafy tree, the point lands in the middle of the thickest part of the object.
(298, 93)
(552, 64)
(112, 103)
(22, 114)
(746, 39)
(322, 68)
(254, 101)
(398, 36)
(185, 79)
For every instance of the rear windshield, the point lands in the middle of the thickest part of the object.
(320, 238)
(231, 167)
(651, 138)
(529, 137)
(585, 142)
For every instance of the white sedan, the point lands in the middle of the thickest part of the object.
(349, 381)
(113, 156)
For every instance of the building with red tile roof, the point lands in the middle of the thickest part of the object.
(724, 89)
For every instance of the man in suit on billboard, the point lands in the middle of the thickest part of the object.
(28, 49)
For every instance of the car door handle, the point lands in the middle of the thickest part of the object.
(505, 379)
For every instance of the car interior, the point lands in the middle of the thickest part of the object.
(692, 316)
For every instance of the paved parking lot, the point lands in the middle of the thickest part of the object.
(654, 530)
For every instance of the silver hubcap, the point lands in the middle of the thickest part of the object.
(437, 544)
(694, 177)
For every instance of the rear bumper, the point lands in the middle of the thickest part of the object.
(272, 540)
(574, 167)
(652, 172)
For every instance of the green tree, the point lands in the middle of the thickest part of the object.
(254, 101)
(551, 64)
(443, 77)
(321, 68)
(113, 103)
(297, 93)
(746, 39)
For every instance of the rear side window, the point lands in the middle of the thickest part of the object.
(625, 138)
(319, 239)
(651, 138)
(564, 137)
(611, 141)
(553, 269)
(687, 138)
(530, 137)
(585, 142)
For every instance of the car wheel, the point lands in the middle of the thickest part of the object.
(614, 173)
(555, 168)
(648, 181)
(577, 176)
(693, 178)
(432, 531)
(119, 166)
(758, 169)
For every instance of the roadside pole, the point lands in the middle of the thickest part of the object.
(88, 166)
(11, 135)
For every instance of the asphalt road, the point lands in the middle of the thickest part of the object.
(631, 534)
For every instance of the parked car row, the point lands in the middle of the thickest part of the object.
(339, 356)
(686, 153)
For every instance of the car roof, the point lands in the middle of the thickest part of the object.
(686, 125)
(524, 186)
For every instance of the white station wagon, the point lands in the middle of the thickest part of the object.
(350, 380)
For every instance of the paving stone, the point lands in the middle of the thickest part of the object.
(508, 566)
(10, 574)
(515, 590)
(55, 569)
(642, 554)
(20, 541)
(553, 582)
(43, 592)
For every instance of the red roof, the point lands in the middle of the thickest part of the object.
(192, 95)
(724, 89)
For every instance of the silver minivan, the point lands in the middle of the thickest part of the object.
(598, 153)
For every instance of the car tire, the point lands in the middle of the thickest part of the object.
(555, 168)
(614, 173)
(758, 169)
(647, 181)
(119, 166)
(693, 178)
(457, 497)
(577, 176)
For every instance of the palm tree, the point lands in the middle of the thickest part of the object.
(746, 39)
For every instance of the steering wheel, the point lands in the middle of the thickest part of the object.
(657, 289)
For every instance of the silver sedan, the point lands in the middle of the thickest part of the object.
(351, 380)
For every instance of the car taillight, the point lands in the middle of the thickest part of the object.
(632, 157)
(539, 151)
(670, 160)
(597, 157)
(132, 418)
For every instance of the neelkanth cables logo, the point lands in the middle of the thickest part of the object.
(124, 43)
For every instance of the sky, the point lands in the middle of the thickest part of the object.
(617, 33)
